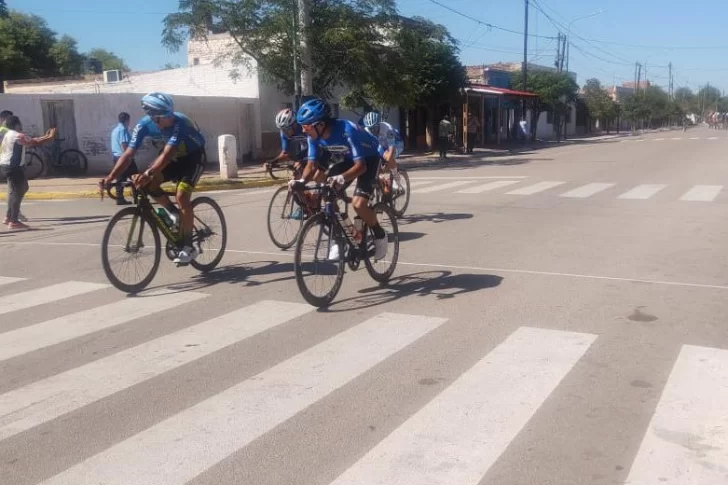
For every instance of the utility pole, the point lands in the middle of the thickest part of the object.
(306, 75)
(525, 60)
(670, 85)
(559, 56)
(296, 75)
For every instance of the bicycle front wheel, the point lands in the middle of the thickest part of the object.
(401, 194)
(381, 270)
(319, 269)
(283, 228)
(209, 234)
(130, 250)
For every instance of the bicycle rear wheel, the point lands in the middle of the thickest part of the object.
(126, 241)
(382, 270)
(209, 234)
(33, 165)
(72, 161)
(319, 278)
(282, 228)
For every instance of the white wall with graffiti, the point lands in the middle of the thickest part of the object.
(85, 121)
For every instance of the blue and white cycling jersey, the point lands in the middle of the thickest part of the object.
(388, 137)
(298, 136)
(182, 134)
(346, 138)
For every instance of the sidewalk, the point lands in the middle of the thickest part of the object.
(253, 175)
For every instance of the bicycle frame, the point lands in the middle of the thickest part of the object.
(144, 206)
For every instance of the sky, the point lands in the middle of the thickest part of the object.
(605, 45)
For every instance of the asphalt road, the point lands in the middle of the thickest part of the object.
(556, 317)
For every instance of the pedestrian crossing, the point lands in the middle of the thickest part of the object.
(454, 437)
(475, 187)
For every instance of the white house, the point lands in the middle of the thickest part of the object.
(86, 107)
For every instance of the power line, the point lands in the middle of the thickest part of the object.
(489, 25)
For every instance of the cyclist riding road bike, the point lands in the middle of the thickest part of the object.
(361, 161)
(180, 161)
(293, 139)
(389, 140)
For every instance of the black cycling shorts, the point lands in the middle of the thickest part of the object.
(187, 169)
(365, 182)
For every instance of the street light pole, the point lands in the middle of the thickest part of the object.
(524, 69)
(568, 34)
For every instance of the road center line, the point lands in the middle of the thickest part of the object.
(444, 266)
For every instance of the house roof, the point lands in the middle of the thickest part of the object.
(485, 89)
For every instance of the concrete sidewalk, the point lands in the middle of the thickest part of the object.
(253, 175)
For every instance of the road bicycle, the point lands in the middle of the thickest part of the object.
(384, 191)
(132, 243)
(69, 161)
(331, 226)
(288, 209)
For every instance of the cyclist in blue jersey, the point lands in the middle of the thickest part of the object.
(180, 161)
(361, 160)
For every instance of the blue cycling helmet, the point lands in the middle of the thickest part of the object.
(372, 119)
(313, 111)
(158, 104)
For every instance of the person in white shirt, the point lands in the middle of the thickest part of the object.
(12, 159)
(389, 141)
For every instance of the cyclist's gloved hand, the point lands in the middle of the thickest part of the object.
(296, 184)
(337, 181)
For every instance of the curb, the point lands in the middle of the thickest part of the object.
(203, 187)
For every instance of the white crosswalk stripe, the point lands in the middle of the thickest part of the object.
(587, 190)
(41, 296)
(641, 192)
(468, 425)
(455, 437)
(686, 442)
(498, 184)
(45, 400)
(702, 193)
(535, 188)
(440, 187)
(183, 446)
(6, 280)
(45, 334)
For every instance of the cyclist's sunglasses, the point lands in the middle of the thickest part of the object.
(311, 126)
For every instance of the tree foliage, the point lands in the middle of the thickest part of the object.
(555, 90)
(64, 53)
(30, 49)
(424, 56)
(3, 9)
(342, 34)
(109, 60)
(599, 104)
(653, 107)
(354, 43)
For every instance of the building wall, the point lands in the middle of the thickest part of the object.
(96, 115)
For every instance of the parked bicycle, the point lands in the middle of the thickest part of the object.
(314, 257)
(140, 239)
(70, 161)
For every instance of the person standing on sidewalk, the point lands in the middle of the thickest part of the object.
(119, 143)
(12, 159)
(473, 128)
(444, 130)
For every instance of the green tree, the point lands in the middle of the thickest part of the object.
(169, 66)
(600, 105)
(429, 73)
(64, 53)
(686, 100)
(25, 43)
(555, 90)
(109, 60)
(3, 9)
(343, 36)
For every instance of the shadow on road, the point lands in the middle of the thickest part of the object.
(439, 285)
(234, 274)
(435, 217)
(66, 221)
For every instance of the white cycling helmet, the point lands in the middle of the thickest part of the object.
(285, 118)
(371, 119)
